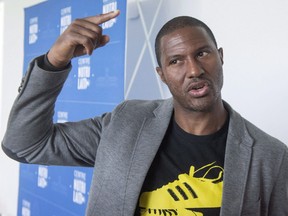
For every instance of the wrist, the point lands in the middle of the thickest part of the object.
(47, 65)
(55, 63)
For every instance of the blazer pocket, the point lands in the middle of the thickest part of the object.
(252, 208)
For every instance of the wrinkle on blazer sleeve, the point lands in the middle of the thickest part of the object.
(31, 136)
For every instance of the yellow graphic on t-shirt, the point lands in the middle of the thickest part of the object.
(186, 194)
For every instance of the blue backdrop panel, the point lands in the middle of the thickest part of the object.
(94, 86)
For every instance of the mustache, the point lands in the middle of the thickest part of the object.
(198, 82)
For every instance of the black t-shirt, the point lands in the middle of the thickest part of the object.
(186, 176)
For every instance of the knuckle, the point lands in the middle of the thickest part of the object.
(86, 40)
(77, 20)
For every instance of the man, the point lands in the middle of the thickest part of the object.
(188, 155)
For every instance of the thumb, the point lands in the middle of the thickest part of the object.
(104, 40)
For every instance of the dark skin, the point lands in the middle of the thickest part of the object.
(81, 37)
(191, 67)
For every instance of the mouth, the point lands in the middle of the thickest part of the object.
(198, 89)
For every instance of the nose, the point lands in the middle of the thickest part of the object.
(194, 69)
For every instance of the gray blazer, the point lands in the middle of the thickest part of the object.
(121, 146)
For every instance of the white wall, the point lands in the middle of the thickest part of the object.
(254, 37)
(11, 71)
(1, 51)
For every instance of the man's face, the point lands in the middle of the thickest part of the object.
(191, 66)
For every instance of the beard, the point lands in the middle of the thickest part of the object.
(203, 104)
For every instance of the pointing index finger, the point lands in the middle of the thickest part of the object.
(99, 19)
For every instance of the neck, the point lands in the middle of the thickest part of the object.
(201, 123)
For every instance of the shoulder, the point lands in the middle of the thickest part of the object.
(264, 140)
(133, 112)
(144, 107)
(251, 135)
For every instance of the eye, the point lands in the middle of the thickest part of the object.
(173, 62)
(202, 54)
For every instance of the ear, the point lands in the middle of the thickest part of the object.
(220, 51)
(161, 74)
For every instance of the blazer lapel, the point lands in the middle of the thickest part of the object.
(237, 161)
(148, 142)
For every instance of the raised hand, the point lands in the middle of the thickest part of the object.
(81, 37)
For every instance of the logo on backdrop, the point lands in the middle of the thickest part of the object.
(26, 205)
(42, 176)
(33, 30)
(83, 73)
(62, 116)
(108, 6)
(66, 18)
(79, 187)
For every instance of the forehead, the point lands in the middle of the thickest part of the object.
(190, 36)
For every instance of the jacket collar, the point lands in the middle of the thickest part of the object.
(236, 166)
(149, 139)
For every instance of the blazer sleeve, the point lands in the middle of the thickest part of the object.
(31, 136)
(279, 199)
